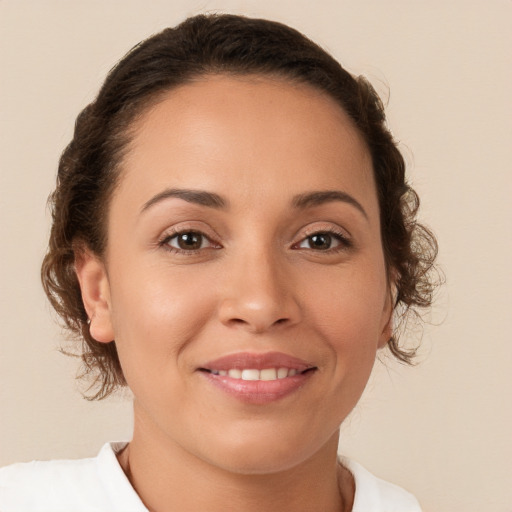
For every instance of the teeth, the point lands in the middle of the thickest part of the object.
(250, 375)
(282, 373)
(254, 374)
(268, 374)
(235, 373)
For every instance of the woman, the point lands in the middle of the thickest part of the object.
(232, 234)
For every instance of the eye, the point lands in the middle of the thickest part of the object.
(324, 241)
(188, 241)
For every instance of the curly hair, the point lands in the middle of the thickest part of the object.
(201, 45)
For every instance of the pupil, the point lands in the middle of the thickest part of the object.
(321, 241)
(189, 241)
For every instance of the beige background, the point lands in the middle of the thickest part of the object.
(443, 429)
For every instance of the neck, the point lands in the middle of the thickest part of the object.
(168, 477)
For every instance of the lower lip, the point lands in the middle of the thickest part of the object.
(259, 391)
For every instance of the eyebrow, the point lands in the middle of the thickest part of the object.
(200, 197)
(310, 199)
(212, 200)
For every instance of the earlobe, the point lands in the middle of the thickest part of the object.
(95, 288)
(389, 308)
(387, 332)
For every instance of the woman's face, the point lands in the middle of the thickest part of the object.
(244, 279)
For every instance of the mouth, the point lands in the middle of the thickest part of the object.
(258, 378)
(253, 374)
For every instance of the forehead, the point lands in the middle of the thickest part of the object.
(248, 134)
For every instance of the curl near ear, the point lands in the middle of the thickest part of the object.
(387, 315)
(94, 284)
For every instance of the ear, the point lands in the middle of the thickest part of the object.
(387, 316)
(95, 288)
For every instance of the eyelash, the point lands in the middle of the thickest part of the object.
(344, 243)
(164, 243)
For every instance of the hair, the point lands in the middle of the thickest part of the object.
(216, 44)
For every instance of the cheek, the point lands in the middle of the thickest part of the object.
(155, 317)
(347, 306)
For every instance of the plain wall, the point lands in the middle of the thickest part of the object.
(441, 429)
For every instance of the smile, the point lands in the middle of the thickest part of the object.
(266, 374)
(258, 378)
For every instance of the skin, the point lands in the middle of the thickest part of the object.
(256, 284)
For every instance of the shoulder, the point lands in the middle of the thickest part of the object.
(376, 495)
(37, 486)
(85, 485)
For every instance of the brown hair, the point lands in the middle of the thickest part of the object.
(204, 44)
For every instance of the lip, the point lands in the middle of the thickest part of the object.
(242, 360)
(258, 392)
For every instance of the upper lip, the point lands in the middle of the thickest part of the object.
(248, 360)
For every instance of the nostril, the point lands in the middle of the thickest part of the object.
(257, 316)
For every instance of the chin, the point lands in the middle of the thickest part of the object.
(254, 462)
(260, 453)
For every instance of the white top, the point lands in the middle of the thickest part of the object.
(100, 485)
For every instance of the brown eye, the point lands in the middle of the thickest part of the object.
(325, 241)
(320, 241)
(188, 241)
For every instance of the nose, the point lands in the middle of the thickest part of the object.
(258, 294)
